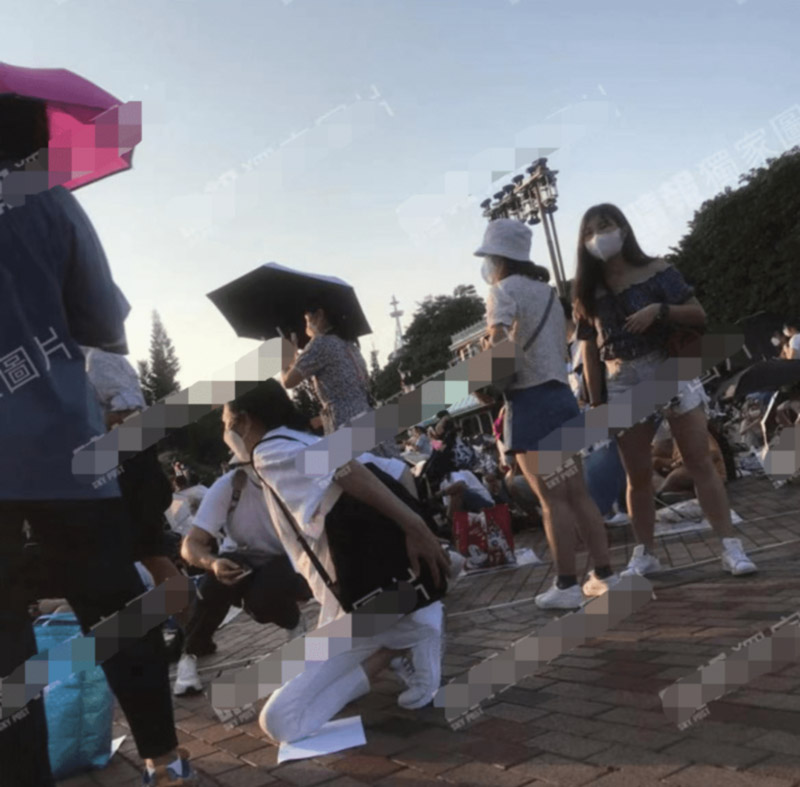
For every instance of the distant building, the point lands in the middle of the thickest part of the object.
(467, 343)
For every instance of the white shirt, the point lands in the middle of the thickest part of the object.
(250, 526)
(794, 343)
(519, 302)
(308, 499)
(185, 505)
(472, 482)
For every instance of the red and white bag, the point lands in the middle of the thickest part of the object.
(485, 539)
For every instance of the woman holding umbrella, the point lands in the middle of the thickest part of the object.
(334, 362)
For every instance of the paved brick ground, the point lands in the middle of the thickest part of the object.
(591, 717)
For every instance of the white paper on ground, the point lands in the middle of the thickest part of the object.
(684, 517)
(232, 613)
(331, 737)
(526, 557)
(116, 743)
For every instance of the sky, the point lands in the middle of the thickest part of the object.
(356, 138)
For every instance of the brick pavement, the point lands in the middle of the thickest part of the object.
(591, 717)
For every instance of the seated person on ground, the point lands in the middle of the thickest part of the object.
(670, 474)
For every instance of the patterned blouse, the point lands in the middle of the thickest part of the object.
(340, 377)
(667, 286)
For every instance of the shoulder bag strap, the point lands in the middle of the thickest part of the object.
(542, 321)
(315, 561)
(238, 482)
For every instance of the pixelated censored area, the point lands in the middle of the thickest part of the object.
(101, 457)
(104, 639)
(759, 655)
(84, 147)
(483, 681)
(246, 686)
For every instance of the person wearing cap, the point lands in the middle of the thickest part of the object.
(521, 307)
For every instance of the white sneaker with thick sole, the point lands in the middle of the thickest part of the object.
(642, 563)
(617, 520)
(734, 558)
(594, 586)
(426, 678)
(556, 598)
(403, 668)
(187, 681)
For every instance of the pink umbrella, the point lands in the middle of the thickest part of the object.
(92, 133)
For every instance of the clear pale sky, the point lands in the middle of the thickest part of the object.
(388, 115)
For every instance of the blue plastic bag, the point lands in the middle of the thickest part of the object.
(79, 709)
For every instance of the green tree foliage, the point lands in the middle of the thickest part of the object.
(158, 376)
(742, 250)
(427, 341)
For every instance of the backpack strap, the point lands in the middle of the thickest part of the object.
(542, 321)
(315, 561)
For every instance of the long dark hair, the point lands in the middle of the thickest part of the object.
(341, 323)
(270, 405)
(521, 268)
(589, 273)
(24, 127)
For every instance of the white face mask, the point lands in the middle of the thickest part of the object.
(776, 341)
(605, 245)
(235, 442)
(489, 271)
(787, 333)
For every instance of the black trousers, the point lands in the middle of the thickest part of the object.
(269, 595)
(84, 555)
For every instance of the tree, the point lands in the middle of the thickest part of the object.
(426, 350)
(743, 247)
(158, 376)
(374, 372)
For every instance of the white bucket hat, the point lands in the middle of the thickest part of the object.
(507, 238)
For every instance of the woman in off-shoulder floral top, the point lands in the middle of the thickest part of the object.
(628, 304)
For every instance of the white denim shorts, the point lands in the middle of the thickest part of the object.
(624, 375)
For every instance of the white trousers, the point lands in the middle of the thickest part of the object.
(302, 705)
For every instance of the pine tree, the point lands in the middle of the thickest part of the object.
(158, 376)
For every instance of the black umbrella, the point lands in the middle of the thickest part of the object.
(270, 301)
(761, 376)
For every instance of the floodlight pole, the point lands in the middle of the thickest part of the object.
(544, 213)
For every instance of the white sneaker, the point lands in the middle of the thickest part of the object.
(403, 668)
(425, 677)
(457, 563)
(734, 559)
(188, 681)
(594, 586)
(618, 520)
(556, 598)
(642, 563)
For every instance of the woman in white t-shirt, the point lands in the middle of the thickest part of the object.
(523, 307)
(263, 422)
(252, 570)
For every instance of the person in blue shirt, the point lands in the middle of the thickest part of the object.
(57, 293)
